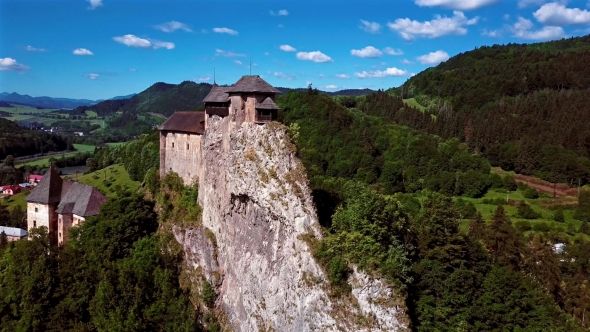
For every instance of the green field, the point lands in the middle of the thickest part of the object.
(115, 175)
(12, 201)
(91, 114)
(413, 103)
(44, 162)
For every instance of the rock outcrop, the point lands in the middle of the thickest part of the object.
(258, 207)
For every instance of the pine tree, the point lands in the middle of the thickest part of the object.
(505, 244)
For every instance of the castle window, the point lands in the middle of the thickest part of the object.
(60, 235)
(172, 144)
(187, 146)
(34, 223)
(36, 210)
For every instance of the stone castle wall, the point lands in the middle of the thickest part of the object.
(42, 215)
(182, 154)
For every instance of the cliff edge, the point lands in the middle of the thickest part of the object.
(257, 217)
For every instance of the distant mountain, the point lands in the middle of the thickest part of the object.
(49, 102)
(346, 92)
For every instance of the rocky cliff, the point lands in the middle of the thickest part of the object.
(254, 243)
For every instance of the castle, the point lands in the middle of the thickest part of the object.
(59, 205)
(250, 99)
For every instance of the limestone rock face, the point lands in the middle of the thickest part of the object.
(257, 204)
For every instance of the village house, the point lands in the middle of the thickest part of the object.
(59, 205)
(250, 99)
(34, 179)
(11, 189)
(13, 233)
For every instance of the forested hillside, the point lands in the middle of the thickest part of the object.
(382, 192)
(525, 107)
(17, 141)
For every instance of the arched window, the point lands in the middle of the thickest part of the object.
(34, 223)
(172, 144)
(187, 146)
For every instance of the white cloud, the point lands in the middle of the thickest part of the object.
(370, 27)
(204, 31)
(378, 73)
(228, 54)
(266, 53)
(456, 4)
(34, 49)
(92, 76)
(433, 58)
(287, 48)
(172, 26)
(82, 51)
(523, 29)
(134, 41)
(407, 62)
(284, 76)
(491, 33)
(391, 51)
(282, 12)
(204, 78)
(506, 16)
(95, 3)
(316, 56)
(367, 52)
(557, 14)
(238, 62)
(526, 3)
(439, 26)
(132, 70)
(225, 30)
(343, 76)
(331, 87)
(11, 64)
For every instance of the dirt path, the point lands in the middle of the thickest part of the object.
(560, 190)
(158, 115)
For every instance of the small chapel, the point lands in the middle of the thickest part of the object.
(60, 205)
(250, 99)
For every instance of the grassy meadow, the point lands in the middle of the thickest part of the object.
(108, 180)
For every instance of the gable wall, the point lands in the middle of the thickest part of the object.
(178, 158)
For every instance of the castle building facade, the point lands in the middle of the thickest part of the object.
(250, 99)
(59, 205)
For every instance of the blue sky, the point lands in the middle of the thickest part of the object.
(97, 49)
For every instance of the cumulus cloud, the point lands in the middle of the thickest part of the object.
(95, 3)
(524, 29)
(331, 87)
(391, 51)
(82, 51)
(407, 62)
(284, 76)
(172, 26)
(316, 56)
(225, 30)
(11, 64)
(456, 4)
(228, 54)
(34, 49)
(204, 78)
(557, 14)
(92, 76)
(433, 58)
(282, 12)
(343, 76)
(439, 26)
(526, 3)
(287, 48)
(370, 27)
(491, 33)
(367, 52)
(378, 73)
(134, 41)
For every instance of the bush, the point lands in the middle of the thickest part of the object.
(531, 193)
(208, 294)
(466, 208)
(558, 216)
(494, 201)
(526, 212)
(509, 183)
(495, 181)
(523, 225)
(541, 227)
(338, 271)
(585, 228)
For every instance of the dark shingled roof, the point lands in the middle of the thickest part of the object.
(81, 200)
(49, 189)
(218, 94)
(188, 122)
(252, 83)
(267, 104)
